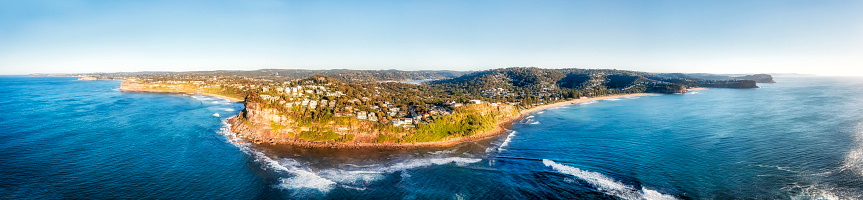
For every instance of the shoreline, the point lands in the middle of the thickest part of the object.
(502, 126)
(232, 99)
(577, 101)
(125, 87)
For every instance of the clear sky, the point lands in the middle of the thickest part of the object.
(814, 36)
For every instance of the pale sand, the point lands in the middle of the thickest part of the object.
(576, 101)
(223, 97)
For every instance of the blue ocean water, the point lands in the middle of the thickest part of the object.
(801, 138)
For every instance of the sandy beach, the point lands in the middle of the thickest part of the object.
(577, 101)
(137, 87)
(223, 97)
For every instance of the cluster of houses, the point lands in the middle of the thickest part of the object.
(492, 92)
(306, 95)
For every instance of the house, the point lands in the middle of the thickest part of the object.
(398, 122)
(474, 101)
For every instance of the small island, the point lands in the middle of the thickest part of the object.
(385, 109)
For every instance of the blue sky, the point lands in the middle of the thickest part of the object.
(815, 37)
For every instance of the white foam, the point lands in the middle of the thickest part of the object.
(443, 152)
(854, 160)
(300, 177)
(305, 179)
(588, 102)
(606, 184)
(506, 141)
(787, 169)
(536, 122)
(613, 99)
(415, 163)
(817, 192)
(228, 109)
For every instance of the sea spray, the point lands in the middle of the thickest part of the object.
(301, 177)
(607, 184)
(506, 141)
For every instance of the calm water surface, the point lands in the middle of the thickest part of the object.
(801, 138)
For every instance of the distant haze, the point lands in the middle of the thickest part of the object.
(810, 37)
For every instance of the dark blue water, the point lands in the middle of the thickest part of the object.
(801, 138)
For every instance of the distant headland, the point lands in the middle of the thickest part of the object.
(388, 109)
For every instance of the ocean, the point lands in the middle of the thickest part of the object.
(800, 138)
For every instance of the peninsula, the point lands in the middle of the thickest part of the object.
(388, 109)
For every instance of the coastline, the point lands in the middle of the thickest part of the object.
(232, 99)
(240, 128)
(129, 87)
(577, 101)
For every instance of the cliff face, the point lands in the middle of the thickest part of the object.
(131, 87)
(259, 124)
(668, 89)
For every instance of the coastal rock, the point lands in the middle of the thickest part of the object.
(668, 89)
(741, 84)
(758, 78)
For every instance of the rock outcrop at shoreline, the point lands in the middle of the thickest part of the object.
(758, 78)
(739, 84)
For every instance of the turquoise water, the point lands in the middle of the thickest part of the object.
(801, 138)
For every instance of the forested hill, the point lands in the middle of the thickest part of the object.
(493, 82)
(531, 80)
(759, 78)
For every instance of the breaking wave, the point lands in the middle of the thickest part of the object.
(506, 141)
(299, 177)
(588, 102)
(608, 185)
